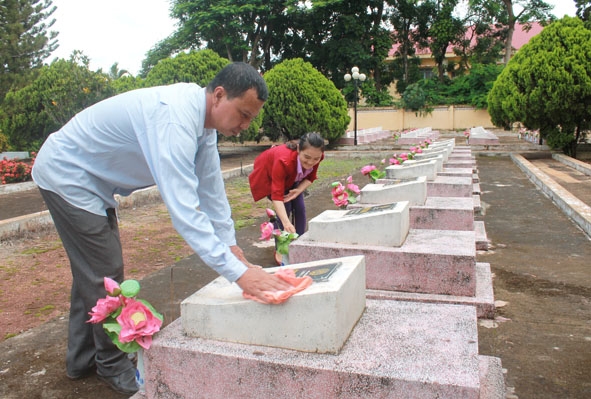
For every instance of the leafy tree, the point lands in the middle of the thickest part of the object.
(547, 85)
(239, 30)
(164, 49)
(443, 30)
(342, 33)
(405, 18)
(413, 72)
(480, 81)
(469, 89)
(61, 90)
(116, 73)
(584, 11)
(502, 15)
(24, 40)
(302, 100)
(127, 83)
(194, 67)
(415, 99)
(373, 96)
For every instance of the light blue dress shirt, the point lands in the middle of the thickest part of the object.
(138, 139)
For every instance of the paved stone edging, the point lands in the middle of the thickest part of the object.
(582, 167)
(574, 208)
(16, 187)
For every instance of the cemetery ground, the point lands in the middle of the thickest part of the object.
(540, 261)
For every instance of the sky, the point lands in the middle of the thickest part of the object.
(123, 31)
(109, 31)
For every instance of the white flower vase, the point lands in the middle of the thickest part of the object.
(139, 371)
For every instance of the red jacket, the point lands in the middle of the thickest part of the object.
(274, 173)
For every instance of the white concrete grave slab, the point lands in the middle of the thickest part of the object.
(318, 319)
(408, 170)
(447, 148)
(384, 225)
(432, 155)
(413, 190)
(443, 143)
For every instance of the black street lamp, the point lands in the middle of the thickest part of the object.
(356, 77)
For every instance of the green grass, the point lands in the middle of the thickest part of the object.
(45, 248)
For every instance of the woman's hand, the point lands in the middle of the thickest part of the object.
(292, 194)
(290, 228)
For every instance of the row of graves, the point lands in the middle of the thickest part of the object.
(417, 135)
(392, 312)
(481, 136)
(364, 136)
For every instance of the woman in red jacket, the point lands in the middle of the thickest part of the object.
(282, 173)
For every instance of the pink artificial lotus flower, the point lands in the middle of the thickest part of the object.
(404, 156)
(354, 188)
(104, 307)
(112, 287)
(413, 149)
(340, 197)
(138, 324)
(418, 150)
(266, 231)
(270, 213)
(367, 169)
(394, 161)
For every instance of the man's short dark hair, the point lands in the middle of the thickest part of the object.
(238, 77)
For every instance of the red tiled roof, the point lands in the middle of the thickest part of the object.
(520, 37)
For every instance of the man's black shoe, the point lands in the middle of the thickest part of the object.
(81, 374)
(122, 383)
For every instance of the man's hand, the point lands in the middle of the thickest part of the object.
(237, 251)
(256, 281)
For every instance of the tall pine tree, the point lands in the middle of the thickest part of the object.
(25, 40)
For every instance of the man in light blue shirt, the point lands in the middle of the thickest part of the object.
(161, 135)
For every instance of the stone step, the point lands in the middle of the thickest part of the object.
(429, 261)
(450, 186)
(462, 164)
(477, 205)
(483, 300)
(482, 241)
(443, 213)
(397, 349)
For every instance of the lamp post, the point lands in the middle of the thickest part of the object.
(356, 77)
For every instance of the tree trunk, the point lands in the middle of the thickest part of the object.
(511, 29)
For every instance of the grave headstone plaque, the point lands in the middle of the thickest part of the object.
(382, 225)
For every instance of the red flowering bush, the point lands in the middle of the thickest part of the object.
(15, 170)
